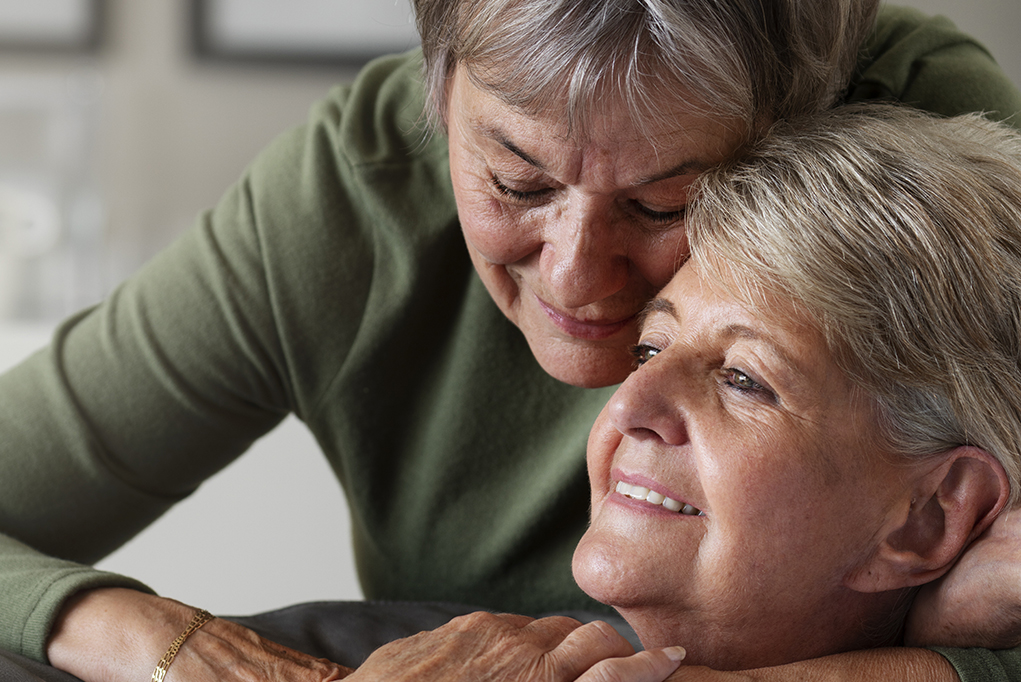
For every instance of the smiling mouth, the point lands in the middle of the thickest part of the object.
(637, 492)
(592, 331)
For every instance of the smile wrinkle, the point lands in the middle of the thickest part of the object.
(638, 492)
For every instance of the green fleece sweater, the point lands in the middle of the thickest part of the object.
(332, 281)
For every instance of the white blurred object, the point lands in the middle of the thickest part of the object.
(51, 218)
(46, 22)
(29, 221)
(309, 27)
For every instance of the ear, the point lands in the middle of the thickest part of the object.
(949, 507)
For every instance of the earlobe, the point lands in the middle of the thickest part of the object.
(949, 506)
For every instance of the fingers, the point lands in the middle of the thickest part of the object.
(645, 666)
(583, 647)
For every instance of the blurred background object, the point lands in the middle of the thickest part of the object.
(302, 31)
(121, 120)
(71, 25)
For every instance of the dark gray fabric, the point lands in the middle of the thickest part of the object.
(347, 632)
(344, 632)
(17, 668)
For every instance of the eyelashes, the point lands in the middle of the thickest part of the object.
(642, 353)
(536, 197)
(516, 194)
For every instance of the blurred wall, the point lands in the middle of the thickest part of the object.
(172, 132)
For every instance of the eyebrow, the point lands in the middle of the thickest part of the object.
(743, 332)
(499, 136)
(662, 305)
(683, 168)
(656, 305)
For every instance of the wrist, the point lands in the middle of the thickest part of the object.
(113, 634)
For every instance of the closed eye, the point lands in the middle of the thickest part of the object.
(517, 195)
(659, 217)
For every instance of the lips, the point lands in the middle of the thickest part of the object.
(585, 329)
(641, 489)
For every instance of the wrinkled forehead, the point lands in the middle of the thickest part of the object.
(666, 125)
(581, 107)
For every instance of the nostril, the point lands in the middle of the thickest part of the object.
(641, 433)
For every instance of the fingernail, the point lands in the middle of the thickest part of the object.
(675, 653)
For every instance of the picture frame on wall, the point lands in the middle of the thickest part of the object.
(344, 32)
(51, 25)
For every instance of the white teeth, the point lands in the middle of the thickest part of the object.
(637, 492)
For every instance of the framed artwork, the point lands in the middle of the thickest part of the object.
(303, 31)
(50, 25)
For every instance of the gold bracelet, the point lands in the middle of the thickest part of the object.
(200, 619)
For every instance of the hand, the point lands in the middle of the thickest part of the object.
(978, 603)
(508, 648)
(109, 635)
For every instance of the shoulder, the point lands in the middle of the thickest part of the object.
(927, 62)
(365, 161)
(378, 118)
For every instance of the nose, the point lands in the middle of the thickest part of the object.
(649, 404)
(584, 256)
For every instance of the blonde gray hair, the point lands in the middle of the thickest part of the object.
(753, 61)
(900, 235)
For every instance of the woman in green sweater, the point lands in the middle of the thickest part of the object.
(333, 282)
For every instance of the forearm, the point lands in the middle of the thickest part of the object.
(917, 665)
(109, 635)
(914, 665)
(114, 634)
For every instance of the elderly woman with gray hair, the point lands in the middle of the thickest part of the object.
(826, 409)
(444, 311)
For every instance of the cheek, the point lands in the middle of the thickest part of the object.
(500, 235)
(500, 238)
(603, 441)
(658, 258)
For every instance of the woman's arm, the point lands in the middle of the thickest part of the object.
(917, 665)
(114, 634)
(977, 604)
(110, 635)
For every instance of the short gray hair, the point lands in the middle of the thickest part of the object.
(754, 61)
(900, 235)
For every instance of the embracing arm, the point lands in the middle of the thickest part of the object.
(114, 634)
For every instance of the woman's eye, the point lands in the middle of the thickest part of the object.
(643, 353)
(659, 217)
(518, 195)
(744, 383)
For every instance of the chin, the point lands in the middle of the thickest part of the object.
(583, 364)
(603, 574)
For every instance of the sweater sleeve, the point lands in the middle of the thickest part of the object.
(245, 318)
(133, 404)
(982, 665)
(205, 349)
(927, 63)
